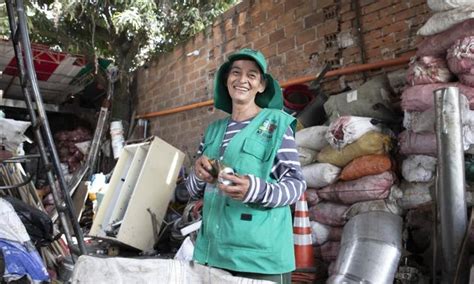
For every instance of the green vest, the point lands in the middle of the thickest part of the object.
(246, 237)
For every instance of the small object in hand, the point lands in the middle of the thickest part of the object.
(223, 181)
(215, 168)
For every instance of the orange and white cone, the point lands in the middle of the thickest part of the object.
(304, 252)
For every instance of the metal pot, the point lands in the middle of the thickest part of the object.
(370, 249)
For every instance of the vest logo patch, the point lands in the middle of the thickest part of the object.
(267, 128)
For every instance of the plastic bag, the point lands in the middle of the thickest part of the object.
(372, 99)
(366, 166)
(320, 174)
(37, 223)
(347, 129)
(370, 143)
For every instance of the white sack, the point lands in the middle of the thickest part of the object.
(320, 174)
(306, 156)
(415, 194)
(89, 269)
(11, 227)
(442, 21)
(11, 133)
(319, 233)
(347, 129)
(312, 137)
(443, 5)
(418, 168)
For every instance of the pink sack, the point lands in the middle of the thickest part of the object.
(467, 79)
(428, 70)
(328, 213)
(366, 188)
(421, 97)
(312, 197)
(437, 45)
(328, 251)
(423, 143)
(461, 56)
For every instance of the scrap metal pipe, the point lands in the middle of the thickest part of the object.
(341, 71)
(450, 180)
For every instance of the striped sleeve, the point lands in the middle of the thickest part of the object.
(286, 170)
(194, 185)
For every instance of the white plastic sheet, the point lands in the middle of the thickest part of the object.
(11, 133)
(11, 227)
(118, 270)
(442, 21)
(443, 5)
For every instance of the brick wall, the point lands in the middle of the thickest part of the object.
(296, 36)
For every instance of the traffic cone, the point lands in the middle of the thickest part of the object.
(304, 252)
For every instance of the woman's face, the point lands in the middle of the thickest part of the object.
(244, 81)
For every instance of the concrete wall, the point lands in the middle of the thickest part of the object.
(296, 36)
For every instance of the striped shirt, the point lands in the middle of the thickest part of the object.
(286, 170)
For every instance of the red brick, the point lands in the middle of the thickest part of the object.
(329, 27)
(259, 18)
(377, 5)
(286, 45)
(395, 27)
(313, 20)
(270, 50)
(262, 42)
(293, 28)
(305, 36)
(276, 11)
(325, 3)
(269, 27)
(348, 16)
(277, 35)
(346, 26)
(289, 5)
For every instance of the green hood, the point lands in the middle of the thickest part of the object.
(270, 98)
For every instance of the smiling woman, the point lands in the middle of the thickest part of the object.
(255, 143)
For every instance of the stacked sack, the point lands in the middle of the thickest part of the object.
(352, 174)
(443, 60)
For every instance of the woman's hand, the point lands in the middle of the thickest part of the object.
(203, 168)
(239, 187)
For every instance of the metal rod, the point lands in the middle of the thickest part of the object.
(451, 196)
(301, 80)
(41, 125)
